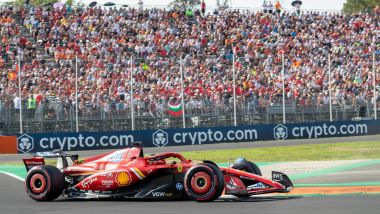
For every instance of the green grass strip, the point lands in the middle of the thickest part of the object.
(309, 152)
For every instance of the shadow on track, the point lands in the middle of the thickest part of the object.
(250, 199)
(258, 199)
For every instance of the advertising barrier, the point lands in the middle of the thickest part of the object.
(29, 143)
(8, 145)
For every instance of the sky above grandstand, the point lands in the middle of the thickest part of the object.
(307, 4)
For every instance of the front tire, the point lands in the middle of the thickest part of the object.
(44, 183)
(248, 166)
(204, 182)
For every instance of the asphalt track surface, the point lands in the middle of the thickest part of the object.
(256, 144)
(13, 199)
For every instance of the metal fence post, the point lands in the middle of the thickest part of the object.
(374, 86)
(283, 89)
(234, 85)
(19, 87)
(330, 98)
(132, 105)
(76, 95)
(182, 94)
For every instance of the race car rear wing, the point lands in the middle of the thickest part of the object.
(32, 162)
(63, 159)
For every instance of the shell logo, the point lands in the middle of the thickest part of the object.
(123, 178)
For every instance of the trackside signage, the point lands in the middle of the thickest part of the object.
(30, 143)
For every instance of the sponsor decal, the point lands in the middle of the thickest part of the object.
(244, 177)
(280, 132)
(123, 178)
(107, 182)
(107, 174)
(77, 142)
(256, 186)
(116, 157)
(277, 177)
(36, 163)
(200, 137)
(179, 186)
(317, 131)
(162, 194)
(87, 183)
(25, 143)
(30, 163)
(160, 138)
(180, 168)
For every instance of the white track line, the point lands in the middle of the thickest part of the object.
(13, 176)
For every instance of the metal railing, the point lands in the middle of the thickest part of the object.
(60, 117)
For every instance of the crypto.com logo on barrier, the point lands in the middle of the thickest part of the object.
(280, 132)
(160, 138)
(25, 143)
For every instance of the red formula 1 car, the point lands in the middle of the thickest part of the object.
(126, 173)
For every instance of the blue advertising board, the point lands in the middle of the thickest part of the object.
(30, 143)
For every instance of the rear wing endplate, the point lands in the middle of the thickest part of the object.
(32, 162)
(63, 159)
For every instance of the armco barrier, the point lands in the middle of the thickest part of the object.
(28, 143)
(8, 145)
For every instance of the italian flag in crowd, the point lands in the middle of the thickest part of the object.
(175, 110)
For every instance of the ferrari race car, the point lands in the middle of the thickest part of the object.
(126, 173)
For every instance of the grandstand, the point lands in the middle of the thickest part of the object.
(104, 41)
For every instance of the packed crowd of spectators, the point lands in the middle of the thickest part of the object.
(105, 41)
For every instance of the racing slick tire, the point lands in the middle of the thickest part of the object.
(248, 166)
(44, 183)
(204, 182)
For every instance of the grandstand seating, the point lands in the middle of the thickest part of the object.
(104, 40)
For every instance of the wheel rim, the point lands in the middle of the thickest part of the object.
(37, 183)
(201, 183)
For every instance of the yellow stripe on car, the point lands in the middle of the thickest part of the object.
(140, 173)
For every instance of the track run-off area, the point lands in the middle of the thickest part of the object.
(339, 186)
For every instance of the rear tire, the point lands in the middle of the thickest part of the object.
(44, 183)
(204, 182)
(248, 166)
